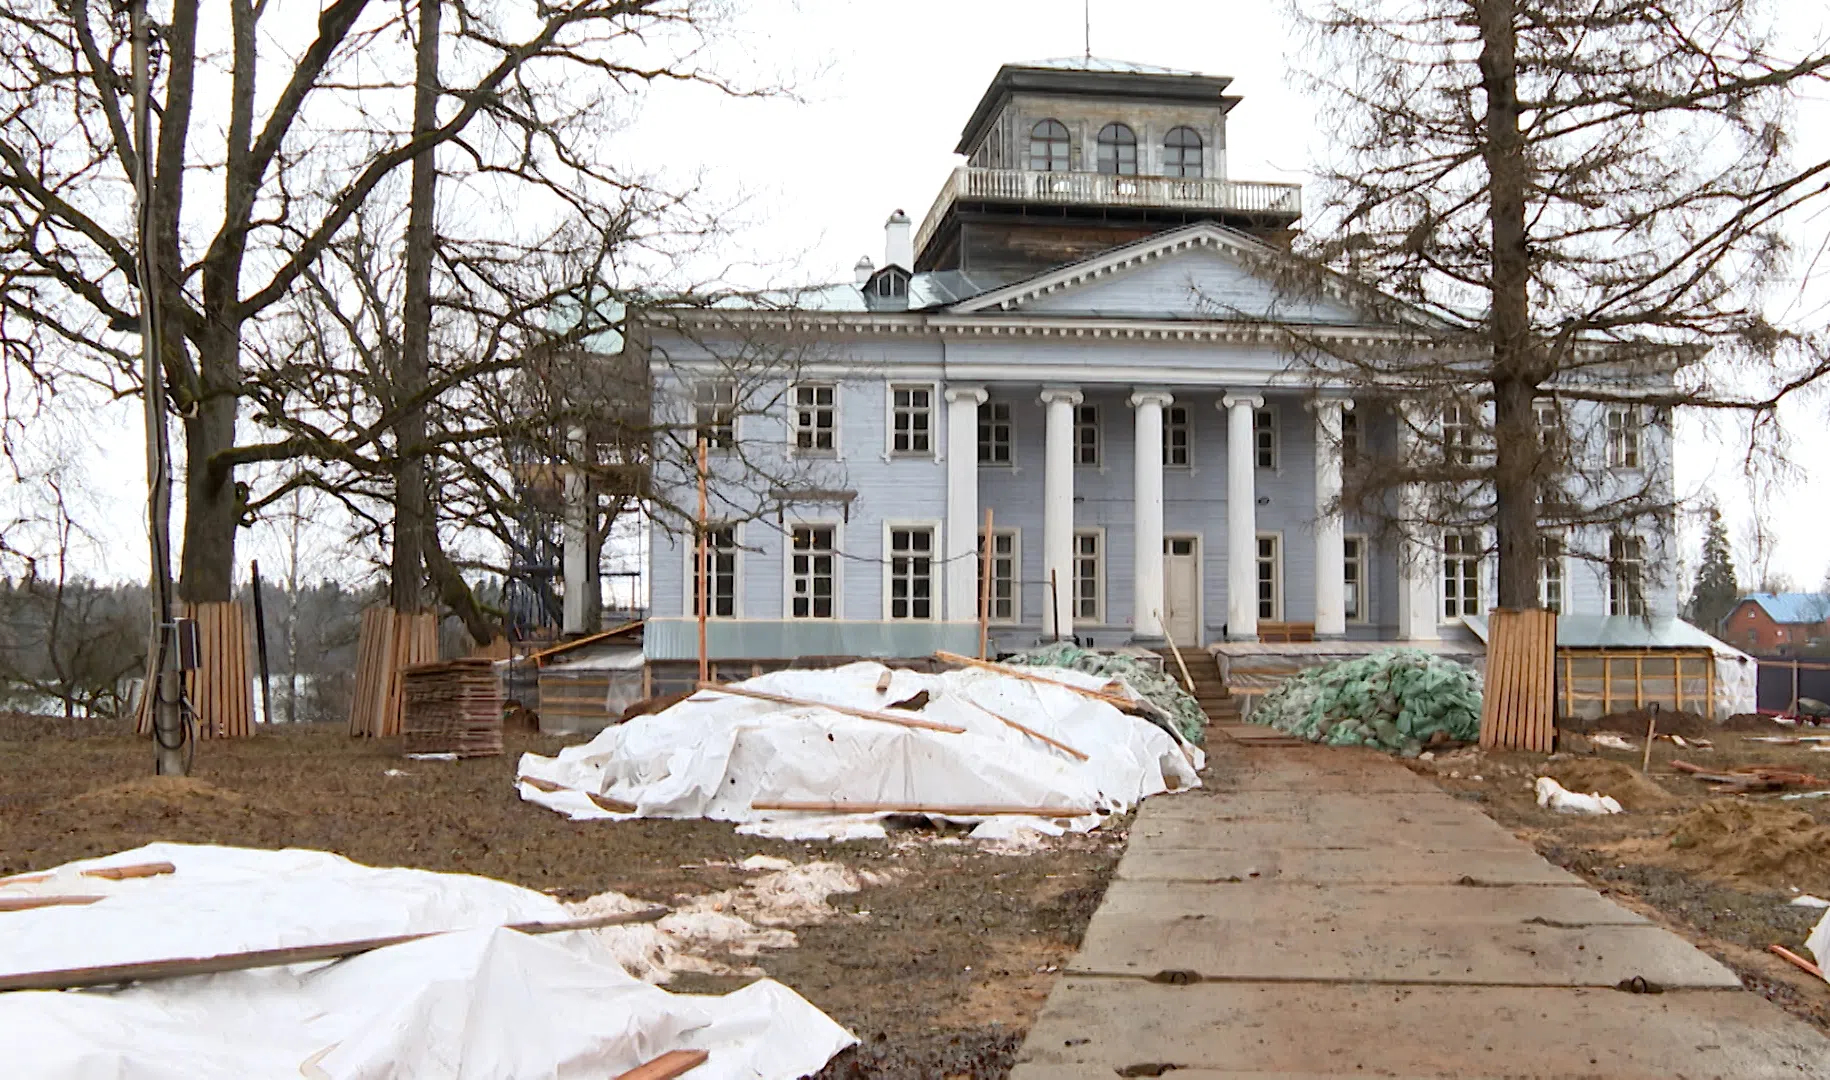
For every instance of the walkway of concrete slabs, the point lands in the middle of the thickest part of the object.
(1328, 913)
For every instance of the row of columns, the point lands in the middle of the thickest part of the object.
(1240, 407)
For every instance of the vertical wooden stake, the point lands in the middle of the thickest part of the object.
(704, 570)
(985, 565)
(1645, 763)
(1054, 597)
(260, 642)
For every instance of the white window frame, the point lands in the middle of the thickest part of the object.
(710, 428)
(1170, 426)
(1353, 439)
(797, 411)
(936, 587)
(838, 572)
(1016, 575)
(1085, 409)
(987, 434)
(1361, 564)
(1625, 434)
(1277, 576)
(890, 410)
(1460, 426)
(688, 595)
(1560, 563)
(1458, 558)
(1632, 606)
(1264, 419)
(1099, 578)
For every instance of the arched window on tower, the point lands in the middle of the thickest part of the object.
(1117, 150)
(1048, 147)
(1182, 152)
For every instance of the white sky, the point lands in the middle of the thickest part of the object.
(882, 92)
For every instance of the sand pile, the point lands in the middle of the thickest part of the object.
(1632, 790)
(1755, 842)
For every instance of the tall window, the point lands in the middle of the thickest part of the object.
(912, 420)
(1270, 577)
(1182, 152)
(815, 582)
(815, 416)
(714, 412)
(1461, 574)
(1264, 437)
(1048, 147)
(1353, 575)
(1086, 434)
(1004, 562)
(1089, 578)
(1550, 572)
(1623, 438)
(994, 433)
(720, 573)
(1175, 436)
(1351, 444)
(1117, 150)
(912, 573)
(1626, 575)
(1460, 422)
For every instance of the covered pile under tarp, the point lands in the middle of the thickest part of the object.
(480, 1001)
(1178, 707)
(734, 758)
(1394, 700)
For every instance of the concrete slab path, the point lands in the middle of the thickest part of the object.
(1321, 913)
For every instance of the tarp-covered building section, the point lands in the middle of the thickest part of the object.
(1610, 664)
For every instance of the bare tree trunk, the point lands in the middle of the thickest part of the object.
(412, 517)
(1515, 373)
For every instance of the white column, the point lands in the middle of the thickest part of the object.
(1058, 509)
(1147, 506)
(1241, 517)
(961, 551)
(1419, 566)
(577, 546)
(1330, 550)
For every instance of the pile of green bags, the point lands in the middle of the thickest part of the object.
(1181, 714)
(1393, 701)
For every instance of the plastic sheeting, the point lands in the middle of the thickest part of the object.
(713, 755)
(1394, 700)
(479, 1002)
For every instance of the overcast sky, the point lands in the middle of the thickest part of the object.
(882, 91)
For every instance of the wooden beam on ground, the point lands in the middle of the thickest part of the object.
(112, 873)
(905, 719)
(1795, 960)
(1122, 704)
(28, 903)
(667, 1066)
(938, 809)
(1025, 729)
(110, 974)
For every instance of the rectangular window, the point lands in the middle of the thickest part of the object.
(1350, 435)
(1086, 434)
(1270, 577)
(715, 411)
(1460, 426)
(1264, 437)
(1005, 602)
(720, 573)
(814, 571)
(1089, 578)
(1353, 574)
(1626, 576)
(994, 433)
(816, 417)
(1550, 572)
(1461, 574)
(911, 573)
(1175, 436)
(912, 420)
(1623, 438)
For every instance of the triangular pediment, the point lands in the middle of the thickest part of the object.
(1200, 272)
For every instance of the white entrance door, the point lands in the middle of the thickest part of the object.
(1182, 590)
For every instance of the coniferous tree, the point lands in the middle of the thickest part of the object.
(1716, 589)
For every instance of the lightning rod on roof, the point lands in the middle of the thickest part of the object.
(1086, 11)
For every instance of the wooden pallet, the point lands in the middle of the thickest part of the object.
(1519, 703)
(452, 708)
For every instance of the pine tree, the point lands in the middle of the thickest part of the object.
(1716, 590)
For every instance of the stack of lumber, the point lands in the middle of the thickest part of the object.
(221, 689)
(390, 643)
(1749, 778)
(453, 708)
(1519, 705)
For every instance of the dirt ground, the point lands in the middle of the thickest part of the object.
(940, 978)
(1719, 869)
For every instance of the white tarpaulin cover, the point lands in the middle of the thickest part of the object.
(714, 755)
(483, 1002)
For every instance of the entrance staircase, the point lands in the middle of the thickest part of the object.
(1210, 690)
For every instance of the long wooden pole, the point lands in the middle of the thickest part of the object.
(985, 565)
(260, 641)
(1187, 679)
(945, 810)
(908, 720)
(1027, 730)
(1120, 703)
(703, 572)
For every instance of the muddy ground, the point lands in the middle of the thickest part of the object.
(940, 979)
(1719, 869)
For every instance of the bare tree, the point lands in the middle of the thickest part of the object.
(1568, 207)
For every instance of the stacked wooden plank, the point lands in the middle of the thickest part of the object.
(1519, 706)
(453, 708)
(389, 643)
(221, 689)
